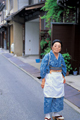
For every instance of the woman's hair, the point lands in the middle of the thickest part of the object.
(57, 40)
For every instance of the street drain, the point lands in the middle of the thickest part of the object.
(39, 77)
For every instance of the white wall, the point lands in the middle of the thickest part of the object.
(22, 3)
(35, 1)
(32, 38)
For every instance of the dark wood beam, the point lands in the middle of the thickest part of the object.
(34, 7)
(30, 12)
(31, 18)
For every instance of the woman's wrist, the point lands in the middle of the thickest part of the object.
(43, 83)
(43, 80)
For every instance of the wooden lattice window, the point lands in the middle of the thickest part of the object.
(70, 17)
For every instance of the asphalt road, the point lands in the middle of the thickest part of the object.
(21, 97)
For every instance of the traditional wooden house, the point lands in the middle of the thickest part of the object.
(24, 25)
(69, 33)
(2, 25)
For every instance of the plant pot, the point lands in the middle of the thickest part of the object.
(37, 60)
(74, 72)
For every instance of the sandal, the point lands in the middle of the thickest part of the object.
(58, 117)
(47, 119)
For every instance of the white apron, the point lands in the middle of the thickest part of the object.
(54, 86)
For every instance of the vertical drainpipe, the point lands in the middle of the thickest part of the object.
(24, 37)
(18, 4)
(39, 34)
(9, 36)
(1, 39)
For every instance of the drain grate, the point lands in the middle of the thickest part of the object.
(39, 77)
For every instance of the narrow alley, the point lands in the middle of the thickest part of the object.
(21, 97)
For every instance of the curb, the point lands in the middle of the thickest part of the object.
(72, 105)
(36, 79)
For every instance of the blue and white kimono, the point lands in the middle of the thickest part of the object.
(54, 87)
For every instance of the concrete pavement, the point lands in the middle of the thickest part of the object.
(29, 65)
(21, 97)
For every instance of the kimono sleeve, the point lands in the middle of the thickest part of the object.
(44, 65)
(64, 70)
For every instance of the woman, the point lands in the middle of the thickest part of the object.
(53, 71)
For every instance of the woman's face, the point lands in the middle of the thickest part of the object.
(56, 48)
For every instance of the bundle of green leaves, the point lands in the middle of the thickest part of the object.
(67, 59)
(53, 11)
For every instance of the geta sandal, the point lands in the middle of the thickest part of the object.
(58, 117)
(47, 119)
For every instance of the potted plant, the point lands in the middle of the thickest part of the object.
(67, 59)
(47, 40)
(75, 71)
(42, 54)
(47, 50)
(42, 43)
(42, 33)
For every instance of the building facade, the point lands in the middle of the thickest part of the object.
(23, 26)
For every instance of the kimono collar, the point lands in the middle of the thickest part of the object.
(52, 54)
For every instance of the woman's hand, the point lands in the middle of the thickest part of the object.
(64, 81)
(43, 83)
